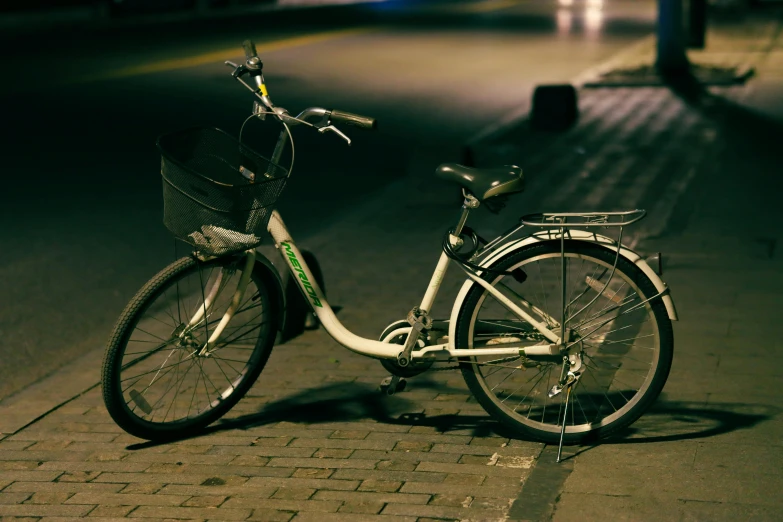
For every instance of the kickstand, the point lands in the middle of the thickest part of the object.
(565, 413)
(392, 384)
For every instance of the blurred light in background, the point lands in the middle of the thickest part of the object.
(594, 16)
(566, 3)
(565, 20)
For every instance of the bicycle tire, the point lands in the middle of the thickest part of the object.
(127, 409)
(523, 417)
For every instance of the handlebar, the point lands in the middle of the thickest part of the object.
(254, 66)
(357, 120)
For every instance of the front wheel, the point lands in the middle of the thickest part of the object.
(158, 381)
(624, 342)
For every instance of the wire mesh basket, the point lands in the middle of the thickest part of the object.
(218, 194)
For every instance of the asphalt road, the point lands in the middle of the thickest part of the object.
(81, 203)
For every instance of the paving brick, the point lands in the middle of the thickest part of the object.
(43, 455)
(78, 476)
(181, 449)
(111, 511)
(205, 501)
(329, 483)
(312, 473)
(321, 506)
(363, 426)
(173, 458)
(43, 510)
(262, 451)
(371, 508)
(494, 442)
(473, 469)
(92, 447)
(293, 493)
(46, 445)
(351, 444)
(350, 517)
(451, 500)
(29, 476)
(248, 460)
(103, 456)
(322, 463)
(349, 434)
(14, 498)
(402, 476)
(49, 497)
(279, 441)
(333, 453)
(454, 489)
(67, 437)
(15, 445)
(166, 478)
(221, 513)
(426, 438)
(409, 456)
(214, 470)
(396, 465)
(464, 480)
(491, 503)
(444, 511)
(474, 459)
(145, 488)
(271, 515)
(368, 496)
(18, 465)
(126, 499)
(62, 487)
(224, 491)
(502, 481)
(71, 466)
(296, 431)
(379, 485)
(417, 446)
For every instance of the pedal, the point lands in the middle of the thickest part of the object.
(392, 384)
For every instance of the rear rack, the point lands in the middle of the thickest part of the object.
(583, 219)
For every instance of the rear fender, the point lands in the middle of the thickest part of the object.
(580, 235)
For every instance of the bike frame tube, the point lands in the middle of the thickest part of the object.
(371, 347)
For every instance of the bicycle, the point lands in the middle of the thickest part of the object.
(562, 334)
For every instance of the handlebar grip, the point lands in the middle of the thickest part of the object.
(364, 122)
(250, 49)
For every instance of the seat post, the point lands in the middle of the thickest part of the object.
(469, 204)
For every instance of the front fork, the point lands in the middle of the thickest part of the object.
(203, 311)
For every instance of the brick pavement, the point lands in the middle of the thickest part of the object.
(314, 440)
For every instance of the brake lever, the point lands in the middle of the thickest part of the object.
(337, 131)
(239, 70)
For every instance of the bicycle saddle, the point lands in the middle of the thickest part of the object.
(484, 183)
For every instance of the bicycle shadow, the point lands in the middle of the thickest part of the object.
(350, 402)
(669, 421)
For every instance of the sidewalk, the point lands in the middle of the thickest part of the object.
(314, 440)
(707, 167)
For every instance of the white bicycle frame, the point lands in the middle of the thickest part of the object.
(377, 349)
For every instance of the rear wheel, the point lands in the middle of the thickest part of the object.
(157, 381)
(625, 344)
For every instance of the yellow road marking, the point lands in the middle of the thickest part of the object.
(219, 56)
(487, 6)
